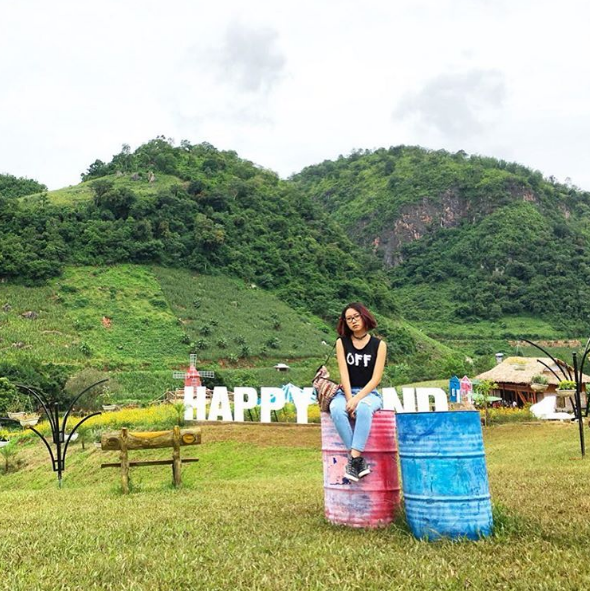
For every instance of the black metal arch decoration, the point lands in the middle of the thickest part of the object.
(577, 378)
(58, 432)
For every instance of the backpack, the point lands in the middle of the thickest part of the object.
(325, 389)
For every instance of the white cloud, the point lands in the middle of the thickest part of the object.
(250, 58)
(289, 84)
(457, 105)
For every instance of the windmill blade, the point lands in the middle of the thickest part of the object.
(207, 374)
(179, 375)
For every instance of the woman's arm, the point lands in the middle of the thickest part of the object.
(374, 381)
(343, 368)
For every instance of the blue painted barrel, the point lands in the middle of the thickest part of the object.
(444, 476)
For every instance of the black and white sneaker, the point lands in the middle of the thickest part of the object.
(351, 470)
(362, 467)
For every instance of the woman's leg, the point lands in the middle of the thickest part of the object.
(364, 417)
(340, 417)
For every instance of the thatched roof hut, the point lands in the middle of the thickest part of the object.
(514, 376)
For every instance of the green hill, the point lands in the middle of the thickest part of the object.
(193, 207)
(465, 238)
(137, 324)
(188, 248)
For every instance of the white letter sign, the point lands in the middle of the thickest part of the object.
(241, 404)
(246, 398)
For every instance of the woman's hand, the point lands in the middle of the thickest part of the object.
(351, 405)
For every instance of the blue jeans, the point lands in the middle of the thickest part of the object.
(357, 438)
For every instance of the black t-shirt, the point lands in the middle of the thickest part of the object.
(360, 362)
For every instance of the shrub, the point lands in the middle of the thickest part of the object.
(85, 349)
(92, 400)
(288, 414)
(84, 434)
(179, 410)
(499, 416)
(539, 379)
(484, 350)
(158, 303)
(8, 452)
(7, 394)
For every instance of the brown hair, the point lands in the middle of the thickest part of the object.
(369, 320)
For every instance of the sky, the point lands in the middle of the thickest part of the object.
(287, 84)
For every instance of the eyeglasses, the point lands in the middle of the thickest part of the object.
(352, 318)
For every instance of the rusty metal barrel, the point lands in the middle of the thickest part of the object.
(373, 500)
(444, 476)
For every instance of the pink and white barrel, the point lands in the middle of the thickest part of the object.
(373, 500)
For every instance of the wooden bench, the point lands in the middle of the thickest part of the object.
(125, 441)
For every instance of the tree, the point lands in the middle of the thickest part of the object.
(97, 169)
(8, 393)
(482, 394)
(13, 187)
(118, 201)
(8, 452)
(84, 379)
(47, 377)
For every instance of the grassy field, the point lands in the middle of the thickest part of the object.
(83, 191)
(250, 516)
(51, 336)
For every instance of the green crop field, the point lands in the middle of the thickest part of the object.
(135, 317)
(249, 515)
(227, 317)
(112, 317)
(138, 323)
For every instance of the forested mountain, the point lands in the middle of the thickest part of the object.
(213, 212)
(463, 237)
(456, 238)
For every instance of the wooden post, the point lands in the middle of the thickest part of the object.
(124, 462)
(176, 464)
(125, 441)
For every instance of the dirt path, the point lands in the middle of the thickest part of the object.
(263, 434)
